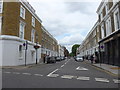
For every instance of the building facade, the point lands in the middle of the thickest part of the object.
(22, 34)
(109, 23)
(104, 38)
(48, 44)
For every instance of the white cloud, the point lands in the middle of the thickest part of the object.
(68, 22)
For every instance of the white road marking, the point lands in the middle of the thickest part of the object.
(67, 76)
(38, 75)
(53, 75)
(81, 68)
(16, 73)
(62, 66)
(116, 81)
(26, 73)
(7, 72)
(83, 78)
(52, 72)
(101, 79)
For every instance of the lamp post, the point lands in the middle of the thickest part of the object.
(36, 46)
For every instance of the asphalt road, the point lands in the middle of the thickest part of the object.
(63, 74)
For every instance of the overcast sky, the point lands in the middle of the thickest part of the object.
(69, 22)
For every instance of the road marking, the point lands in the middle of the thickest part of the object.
(116, 81)
(38, 75)
(101, 79)
(62, 66)
(53, 75)
(26, 73)
(52, 72)
(7, 72)
(16, 73)
(81, 68)
(83, 78)
(67, 76)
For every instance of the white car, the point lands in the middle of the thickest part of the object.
(78, 58)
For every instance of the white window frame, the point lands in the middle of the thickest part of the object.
(33, 21)
(1, 5)
(108, 26)
(102, 31)
(0, 24)
(22, 12)
(116, 22)
(21, 30)
(33, 35)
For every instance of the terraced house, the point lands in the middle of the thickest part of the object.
(107, 34)
(48, 44)
(21, 34)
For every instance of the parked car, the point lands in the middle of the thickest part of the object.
(78, 58)
(62, 58)
(58, 58)
(51, 59)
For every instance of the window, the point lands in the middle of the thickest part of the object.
(116, 20)
(108, 27)
(1, 6)
(22, 12)
(33, 21)
(33, 35)
(102, 31)
(22, 27)
(107, 8)
(0, 24)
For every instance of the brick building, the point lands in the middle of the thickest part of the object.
(20, 31)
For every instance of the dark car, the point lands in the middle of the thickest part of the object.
(51, 59)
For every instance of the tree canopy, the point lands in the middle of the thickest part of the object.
(74, 49)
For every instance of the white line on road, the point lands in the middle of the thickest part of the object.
(81, 68)
(38, 74)
(26, 73)
(67, 76)
(7, 72)
(54, 75)
(83, 78)
(62, 66)
(52, 72)
(116, 81)
(101, 79)
(16, 73)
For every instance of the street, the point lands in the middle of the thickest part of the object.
(64, 74)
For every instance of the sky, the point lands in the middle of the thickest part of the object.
(68, 21)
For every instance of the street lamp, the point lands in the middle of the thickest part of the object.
(36, 46)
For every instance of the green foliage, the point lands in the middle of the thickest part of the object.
(74, 48)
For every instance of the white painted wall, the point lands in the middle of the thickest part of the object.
(10, 52)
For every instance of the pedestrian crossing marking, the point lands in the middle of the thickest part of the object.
(81, 68)
(83, 78)
(38, 75)
(53, 75)
(7, 72)
(16, 73)
(116, 81)
(67, 76)
(26, 73)
(101, 79)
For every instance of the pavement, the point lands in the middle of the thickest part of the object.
(21, 66)
(108, 68)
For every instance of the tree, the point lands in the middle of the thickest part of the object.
(74, 49)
